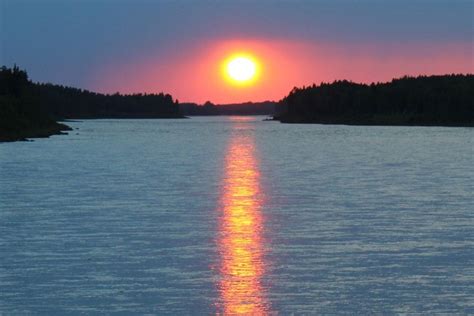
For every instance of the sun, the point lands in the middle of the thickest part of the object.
(241, 69)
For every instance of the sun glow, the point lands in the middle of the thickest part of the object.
(241, 69)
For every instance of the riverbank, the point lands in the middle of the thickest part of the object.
(371, 121)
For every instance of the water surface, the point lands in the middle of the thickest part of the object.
(234, 215)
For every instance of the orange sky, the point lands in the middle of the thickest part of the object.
(193, 73)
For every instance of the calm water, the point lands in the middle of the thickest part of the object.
(234, 215)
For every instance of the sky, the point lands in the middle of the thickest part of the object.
(178, 47)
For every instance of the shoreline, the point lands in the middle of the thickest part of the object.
(35, 132)
(59, 128)
(371, 122)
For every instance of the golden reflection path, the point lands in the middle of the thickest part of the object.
(240, 231)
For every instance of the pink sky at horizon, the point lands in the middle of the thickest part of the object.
(192, 74)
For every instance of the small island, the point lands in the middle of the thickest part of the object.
(31, 110)
(425, 100)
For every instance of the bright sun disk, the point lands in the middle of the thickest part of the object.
(241, 69)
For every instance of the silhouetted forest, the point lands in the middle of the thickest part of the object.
(247, 108)
(425, 100)
(20, 113)
(66, 102)
(30, 109)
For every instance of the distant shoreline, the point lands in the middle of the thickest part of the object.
(370, 123)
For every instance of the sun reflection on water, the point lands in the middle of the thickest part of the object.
(240, 232)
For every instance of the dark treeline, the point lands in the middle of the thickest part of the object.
(247, 108)
(30, 109)
(66, 102)
(425, 100)
(21, 115)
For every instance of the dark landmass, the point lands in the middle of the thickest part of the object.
(30, 110)
(247, 108)
(71, 103)
(426, 100)
(31, 129)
